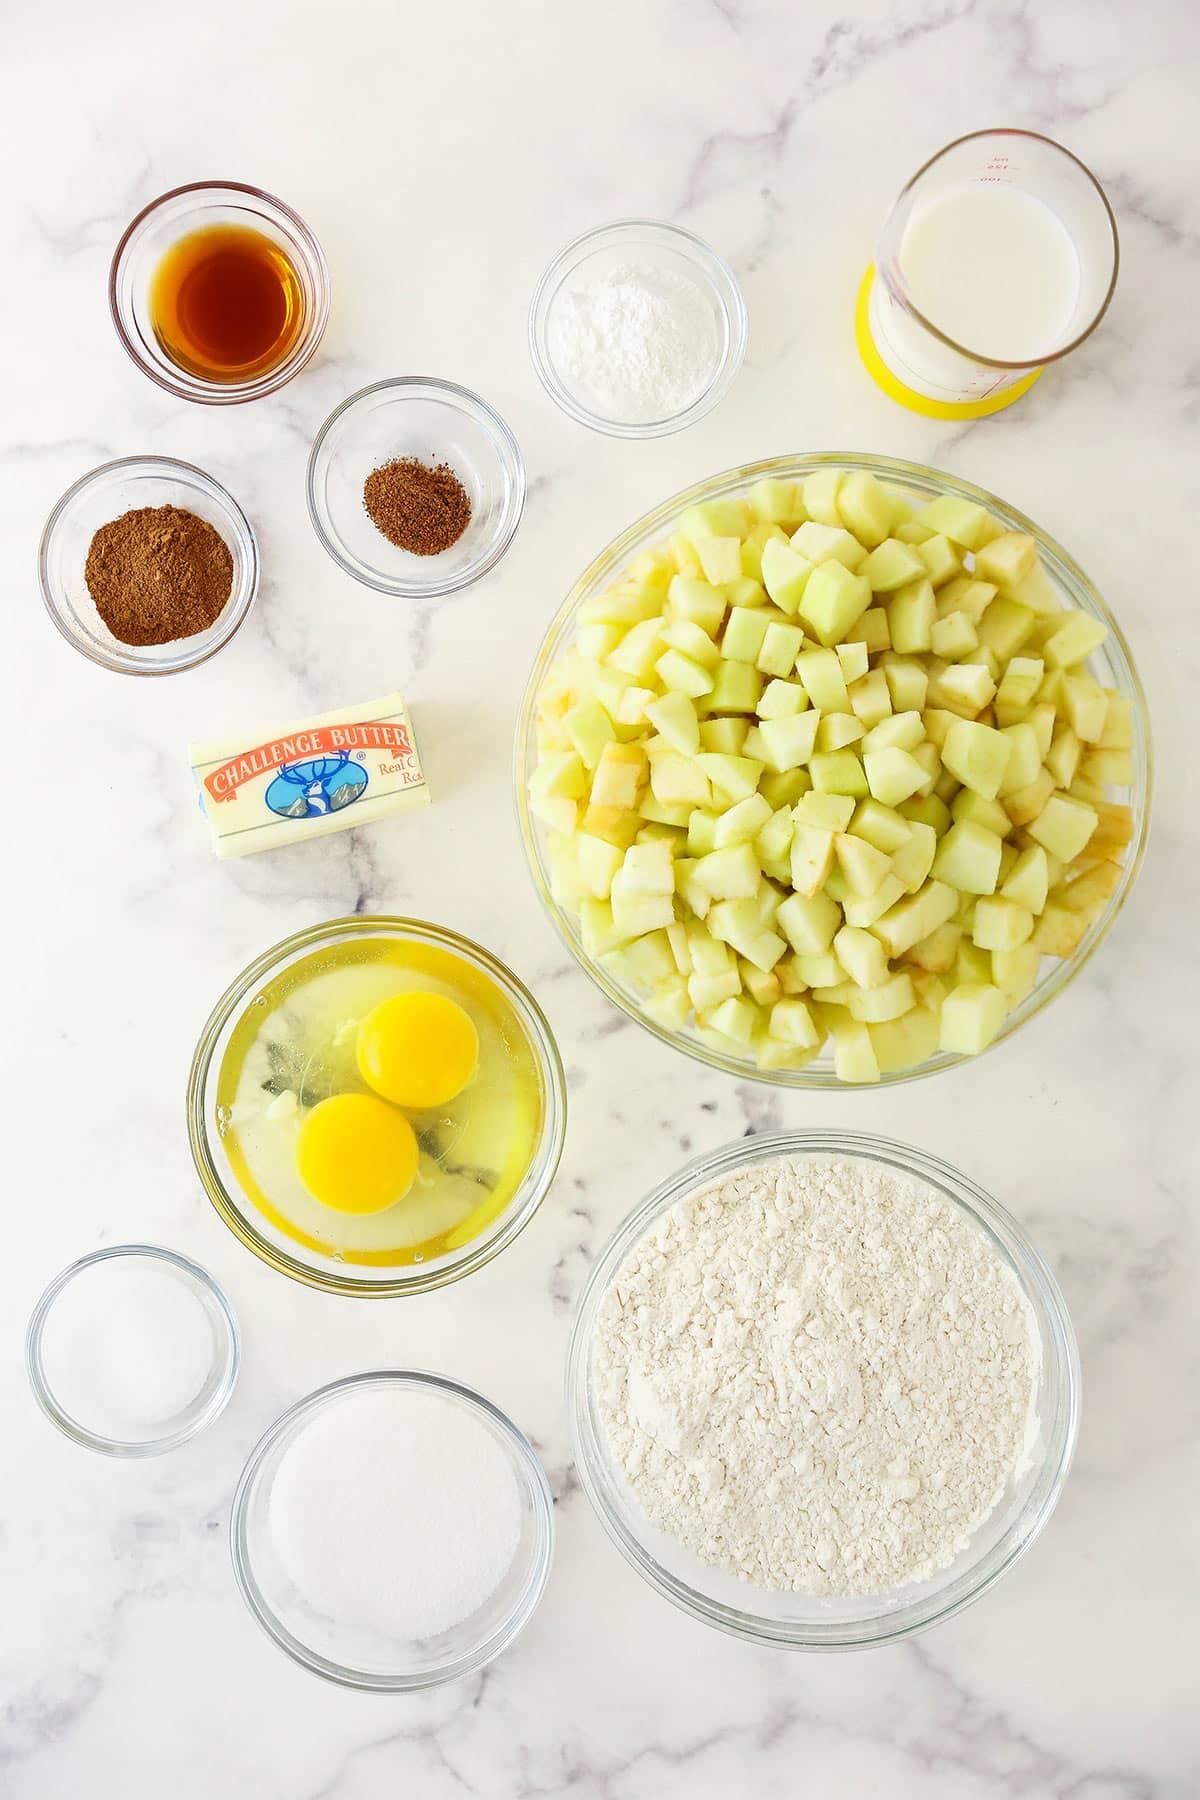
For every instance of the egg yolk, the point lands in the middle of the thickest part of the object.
(355, 1154)
(417, 1049)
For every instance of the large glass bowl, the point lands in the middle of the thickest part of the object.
(309, 1265)
(810, 1622)
(1113, 666)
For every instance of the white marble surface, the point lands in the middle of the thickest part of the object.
(442, 154)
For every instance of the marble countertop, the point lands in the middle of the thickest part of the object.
(442, 156)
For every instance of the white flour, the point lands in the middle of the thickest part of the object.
(818, 1375)
(636, 345)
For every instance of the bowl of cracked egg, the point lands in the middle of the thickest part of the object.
(376, 1106)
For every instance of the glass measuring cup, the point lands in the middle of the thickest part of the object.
(912, 358)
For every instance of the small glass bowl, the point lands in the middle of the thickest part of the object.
(177, 214)
(103, 495)
(327, 1272)
(207, 1404)
(652, 244)
(434, 421)
(812, 1622)
(349, 1655)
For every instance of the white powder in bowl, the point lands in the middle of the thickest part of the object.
(396, 1511)
(126, 1347)
(635, 345)
(817, 1374)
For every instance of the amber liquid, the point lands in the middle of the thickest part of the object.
(226, 303)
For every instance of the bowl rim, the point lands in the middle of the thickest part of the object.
(1059, 1347)
(722, 282)
(523, 1205)
(246, 551)
(609, 560)
(227, 393)
(341, 1674)
(227, 1362)
(465, 400)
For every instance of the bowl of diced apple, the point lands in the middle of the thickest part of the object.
(833, 769)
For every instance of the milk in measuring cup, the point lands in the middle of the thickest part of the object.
(994, 268)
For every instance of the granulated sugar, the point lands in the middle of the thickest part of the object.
(126, 1348)
(818, 1375)
(635, 345)
(396, 1511)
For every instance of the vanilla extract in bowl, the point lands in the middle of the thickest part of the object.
(226, 303)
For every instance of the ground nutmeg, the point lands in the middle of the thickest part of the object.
(416, 507)
(157, 574)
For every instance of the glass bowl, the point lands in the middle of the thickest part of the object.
(208, 1403)
(105, 494)
(1112, 664)
(349, 1655)
(433, 421)
(329, 1272)
(657, 246)
(800, 1622)
(177, 214)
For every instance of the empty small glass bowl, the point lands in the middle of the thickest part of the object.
(213, 1394)
(96, 499)
(796, 1621)
(646, 245)
(435, 422)
(177, 214)
(348, 1653)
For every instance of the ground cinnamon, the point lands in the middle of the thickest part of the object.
(415, 507)
(157, 574)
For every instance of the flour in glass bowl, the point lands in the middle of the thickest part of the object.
(635, 345)
(818, 1375)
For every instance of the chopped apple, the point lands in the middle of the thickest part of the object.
(911, 614)
(786, 572)
(820, 671)
(1007, 559)
(819, 543)
(1064, 826)
(972, 1015)
(891, 565)
(1001, 924)
(977, 756)
(968, 858)
(834, 599)
(809, 921)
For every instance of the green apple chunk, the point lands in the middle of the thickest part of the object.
(1064, 826)
(1001, 924)
(820, 543)
(785, 573)
(893, 775)
(968, 858)
(977, 755)
(862, 956)
(891, 565)
(788, 742)
(972, 1015)
(865, 507)
(834, 600)
(809, 921)
(962, 521)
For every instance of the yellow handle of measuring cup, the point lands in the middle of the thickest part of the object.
(906, 396)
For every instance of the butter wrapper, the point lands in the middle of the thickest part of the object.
(326, 774)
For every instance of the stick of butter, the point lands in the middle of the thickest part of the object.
(344, 768)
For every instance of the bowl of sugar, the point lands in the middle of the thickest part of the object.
(132, 1350)
(393, 1531)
